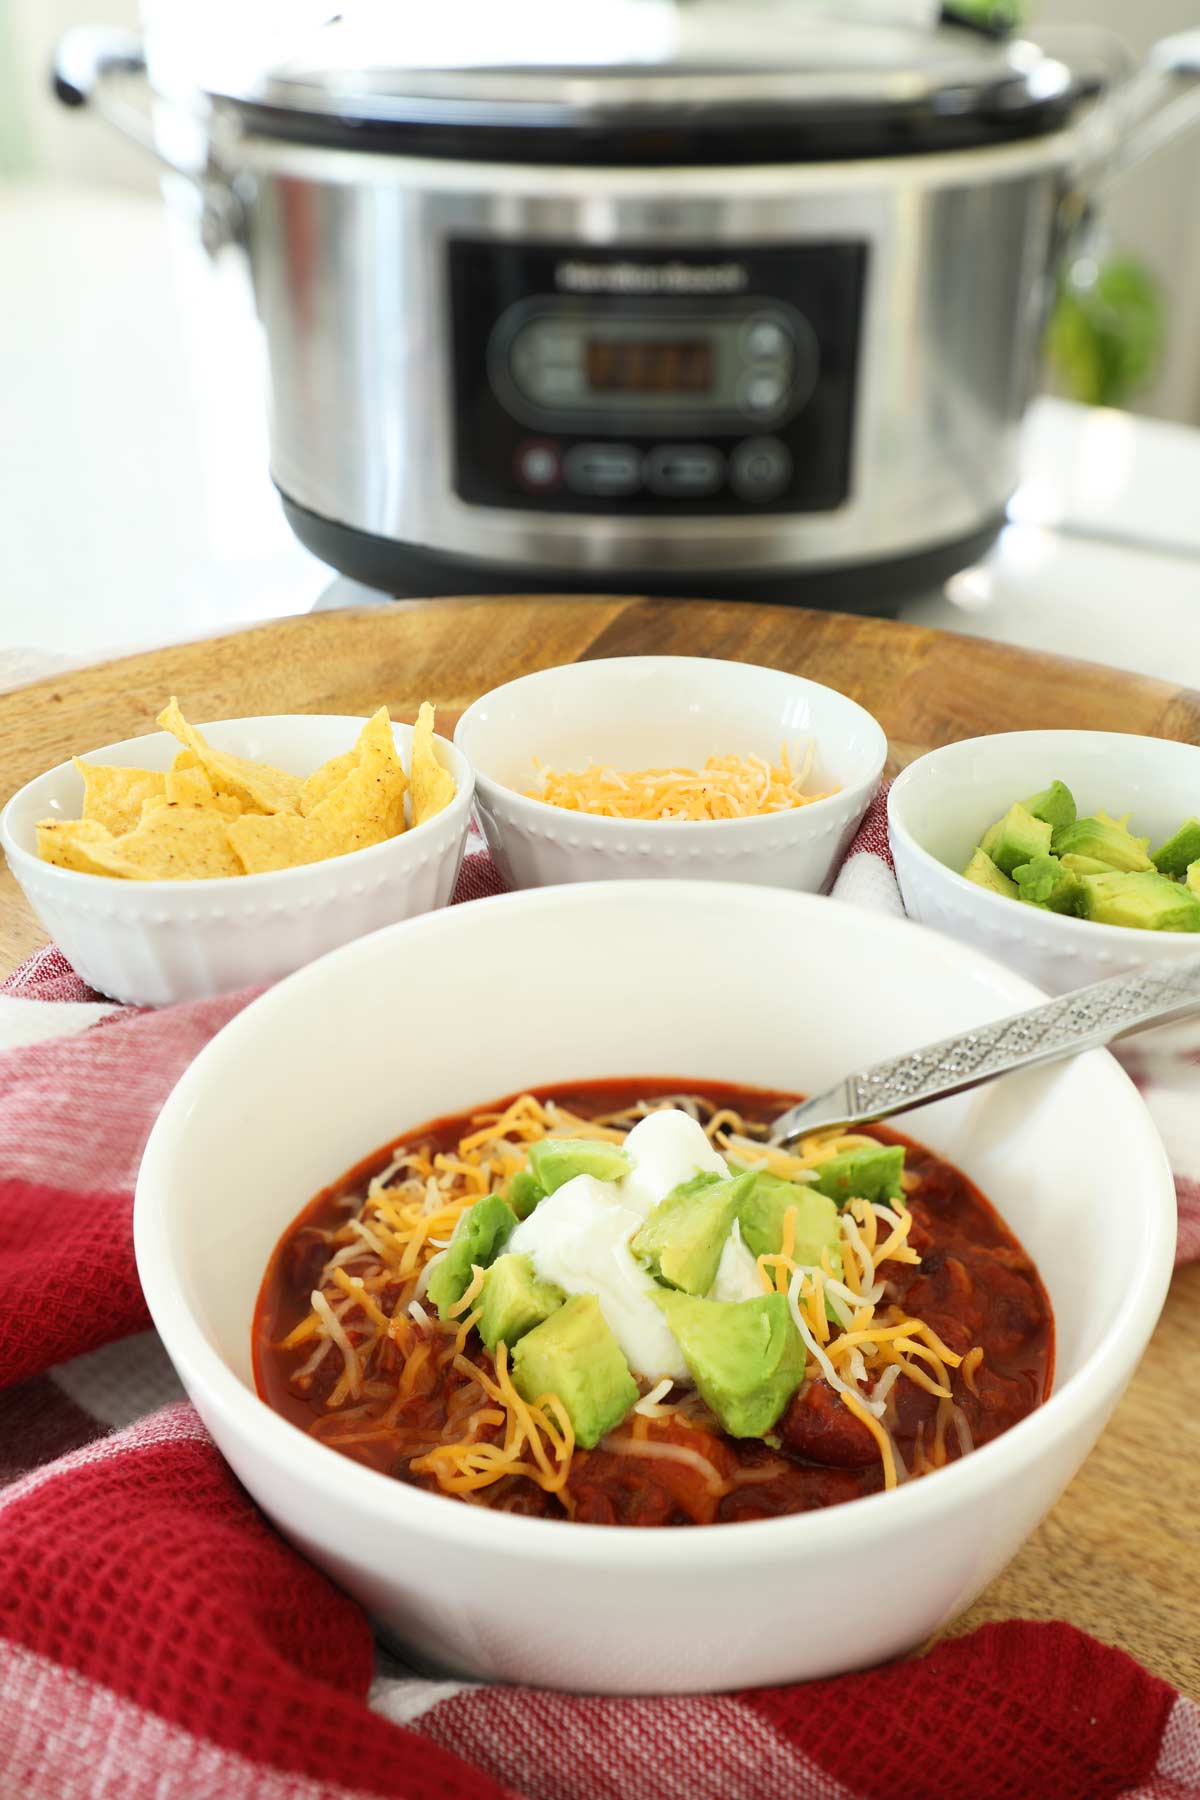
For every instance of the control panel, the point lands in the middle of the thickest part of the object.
(695, 382)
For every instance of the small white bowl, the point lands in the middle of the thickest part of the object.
(152, 943)
(733, 983)
(639, 712)
(941, 805)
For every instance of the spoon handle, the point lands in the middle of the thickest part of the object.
(1078, 1021)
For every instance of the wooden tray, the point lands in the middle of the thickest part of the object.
(1118, 1555)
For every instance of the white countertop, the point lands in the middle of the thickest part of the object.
(136, 507)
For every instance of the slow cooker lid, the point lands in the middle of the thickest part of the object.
(640, 80)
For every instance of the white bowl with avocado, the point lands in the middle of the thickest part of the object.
(711, 981)
(1123, 884)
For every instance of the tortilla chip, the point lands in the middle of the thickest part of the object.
(212, 815)
(377, 734)
(432, 786)
(225, 801)
(369, 802)
(113, 796)
(322, 781)
(363, 806)
(375, 737)
(191, 787)
(67, 842)
(266, 841)
(172, 843)
(255, 784)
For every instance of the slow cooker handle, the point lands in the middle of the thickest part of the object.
(86, 55)
(1166, 95)
(92, 65)
(1144, 113)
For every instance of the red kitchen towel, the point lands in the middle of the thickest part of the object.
(159, 1640)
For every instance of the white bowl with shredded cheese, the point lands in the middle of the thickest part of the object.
(698, 980)
(670, 766)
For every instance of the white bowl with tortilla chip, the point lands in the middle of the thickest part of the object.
(153, 942)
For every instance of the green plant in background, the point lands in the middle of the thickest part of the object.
(1106, 333)
(995, 15)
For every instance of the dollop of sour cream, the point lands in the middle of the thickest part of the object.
(666, 1148)
(737, 1271)
(579, 1238)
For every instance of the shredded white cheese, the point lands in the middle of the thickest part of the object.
(649, 1402)
(333, 1326)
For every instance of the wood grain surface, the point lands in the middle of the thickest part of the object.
(1120, 1554)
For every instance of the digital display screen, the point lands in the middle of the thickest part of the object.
(620, 365)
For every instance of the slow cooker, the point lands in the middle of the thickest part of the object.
(732, 297)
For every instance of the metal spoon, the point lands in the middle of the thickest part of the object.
(1093, 1015)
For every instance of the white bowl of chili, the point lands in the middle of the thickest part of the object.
(640, 713)
(606, 980)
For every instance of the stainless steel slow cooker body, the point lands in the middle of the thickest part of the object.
(729, 297)
(352, 269)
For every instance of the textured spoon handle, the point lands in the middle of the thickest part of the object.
(1092, 1015)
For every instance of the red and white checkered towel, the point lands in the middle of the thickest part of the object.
(158, 1641)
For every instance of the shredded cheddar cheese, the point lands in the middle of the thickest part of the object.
(726, 787)
(970, 1364)
(541, 1429)
(470, 1293)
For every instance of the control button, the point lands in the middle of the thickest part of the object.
(686, 470)
(762, 391)
(538, 465)
(765, 340)
(760, 469)
(603, 469)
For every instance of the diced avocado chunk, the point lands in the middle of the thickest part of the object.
(763, 1210)
(984, 873)
(1016, 838)
(1085, 865)
(1193, 877)
(1044, 882)
(683, 1237)
(1106, 840)
(574, 1354)
(745, 1356)
(1149, 902)
(480, 1234)
(514, 1300)
(1180, 851)
(1055, 804)
(524, 1192)
(554, 1161)
(869, 1173)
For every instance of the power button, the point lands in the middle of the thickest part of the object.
(760, 469)
(538, 465)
